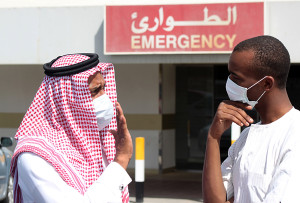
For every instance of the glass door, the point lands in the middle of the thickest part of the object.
(199, 90)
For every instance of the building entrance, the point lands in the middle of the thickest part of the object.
(199, 90)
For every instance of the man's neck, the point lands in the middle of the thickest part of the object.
(275, 106)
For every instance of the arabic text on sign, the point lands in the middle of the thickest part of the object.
(170, 23)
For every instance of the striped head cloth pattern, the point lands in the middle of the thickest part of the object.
(61, 127)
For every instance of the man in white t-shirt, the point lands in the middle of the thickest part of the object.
(263, 164)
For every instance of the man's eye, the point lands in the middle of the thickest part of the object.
(101, 87)
(235, 78)
(95, 91)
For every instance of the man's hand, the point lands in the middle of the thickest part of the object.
(228, 112)
(212, 183)
(124, 148)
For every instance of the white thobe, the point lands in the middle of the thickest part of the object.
(40, 182)
(263, 165)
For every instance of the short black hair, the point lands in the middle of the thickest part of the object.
(270, 57)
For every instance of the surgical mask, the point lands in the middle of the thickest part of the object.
(238, 93)
(104, 111)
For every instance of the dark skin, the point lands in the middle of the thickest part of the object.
(123, 141)
(273, 105)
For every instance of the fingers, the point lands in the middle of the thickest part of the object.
(121, 120)
(228, 112)
(240, 116)
(119, 109)
(236, 119)
(239, 104)
(124, 147)
(234, 112)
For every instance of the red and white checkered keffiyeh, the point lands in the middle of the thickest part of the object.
(61, 127)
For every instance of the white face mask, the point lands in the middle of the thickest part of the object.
(238, 93)
(104, 111)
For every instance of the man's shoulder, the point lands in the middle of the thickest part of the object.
(296, 111)
(243, 137)
(295, 116)
(291, 126)
(245, 131)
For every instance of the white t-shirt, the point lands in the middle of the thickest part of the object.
(40, 182)
(263, 165)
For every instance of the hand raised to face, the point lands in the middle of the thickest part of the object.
(228, 112)
(124, 147)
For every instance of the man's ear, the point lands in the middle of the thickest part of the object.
(269, 83)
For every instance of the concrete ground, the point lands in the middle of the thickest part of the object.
(177, 186)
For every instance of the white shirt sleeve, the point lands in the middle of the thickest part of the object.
(40, 182)
(226, 169)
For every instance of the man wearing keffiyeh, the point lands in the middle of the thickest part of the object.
(73, 143)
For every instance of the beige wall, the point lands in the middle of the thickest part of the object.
(137, 87)
(18, 85)
(138, 93)
(168, 89)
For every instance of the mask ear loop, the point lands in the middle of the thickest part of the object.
(261, 96)
(256, 83)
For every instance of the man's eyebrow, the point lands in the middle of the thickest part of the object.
(233, 73)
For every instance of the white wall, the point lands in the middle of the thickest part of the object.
(18, 86)
(138, 93)
(137, 87)
(35, 35)
(151, 148)
(284, 24)
(76, 3)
